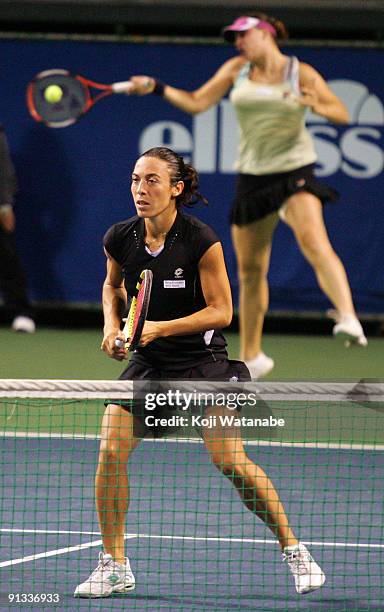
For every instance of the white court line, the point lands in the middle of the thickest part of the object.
(48, 531)
(50, 553)
(62, 551)
(53, 553)
(322, 445)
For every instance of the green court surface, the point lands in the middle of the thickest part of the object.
(337, 423)
(76, 354)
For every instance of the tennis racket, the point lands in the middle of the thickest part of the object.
(137, 315)
(76, 96)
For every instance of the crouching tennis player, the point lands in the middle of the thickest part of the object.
(190, 303)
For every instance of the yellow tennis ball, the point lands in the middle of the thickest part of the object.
(53, 94)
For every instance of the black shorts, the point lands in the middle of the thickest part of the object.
(257, 196)
(226, 370)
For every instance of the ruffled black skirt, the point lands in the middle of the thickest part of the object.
(260, 195)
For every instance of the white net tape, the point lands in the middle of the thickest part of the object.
(359, 391)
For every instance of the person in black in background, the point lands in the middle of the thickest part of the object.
(13, 284)
(190, 303)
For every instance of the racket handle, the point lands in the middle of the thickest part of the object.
(124, 87)
(119, 343)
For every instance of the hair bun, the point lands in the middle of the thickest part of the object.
(179, 171)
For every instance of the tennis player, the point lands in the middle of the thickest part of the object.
(270, 93)
(190, 303)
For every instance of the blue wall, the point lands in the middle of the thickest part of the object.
(74, 182)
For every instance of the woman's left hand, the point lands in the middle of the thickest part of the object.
(309, 97)
(319, 97)
(151, 331)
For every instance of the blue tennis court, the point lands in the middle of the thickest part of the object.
(191, 542)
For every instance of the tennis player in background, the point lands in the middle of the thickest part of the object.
(190, 303)
(271, 93)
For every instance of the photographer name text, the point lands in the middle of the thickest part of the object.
(212, 421)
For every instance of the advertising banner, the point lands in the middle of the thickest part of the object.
(75, 182)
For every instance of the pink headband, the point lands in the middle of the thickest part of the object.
(242, 24)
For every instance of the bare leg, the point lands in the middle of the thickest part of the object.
(303, 213)
(253, 485)
(112, 490)
(252, 244)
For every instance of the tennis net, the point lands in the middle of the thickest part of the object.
(192, 543)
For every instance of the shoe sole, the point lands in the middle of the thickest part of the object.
(126, 589)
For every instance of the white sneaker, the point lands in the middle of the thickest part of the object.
(307, 574)
(24, 324)
(260, 365)
(109, 577)
(348, 328)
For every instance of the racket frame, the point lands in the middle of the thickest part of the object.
(131, 332)
(106, 90)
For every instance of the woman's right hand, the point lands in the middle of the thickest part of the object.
(142, 85)
(108, 345)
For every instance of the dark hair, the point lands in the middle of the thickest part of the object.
(281, 30)
(179, 171)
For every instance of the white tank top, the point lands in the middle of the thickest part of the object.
(273, 136)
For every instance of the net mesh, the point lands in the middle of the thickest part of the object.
(192, 543)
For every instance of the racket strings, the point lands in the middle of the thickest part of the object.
(76, 99)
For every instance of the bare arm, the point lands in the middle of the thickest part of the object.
(318, 96)
(114, 304)
(217, 295)
(202, 98)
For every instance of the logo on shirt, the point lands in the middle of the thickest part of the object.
(179, 272)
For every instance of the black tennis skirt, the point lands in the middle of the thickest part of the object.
(228, 370)
(260, 195)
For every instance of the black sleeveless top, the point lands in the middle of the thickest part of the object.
(176, 289)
